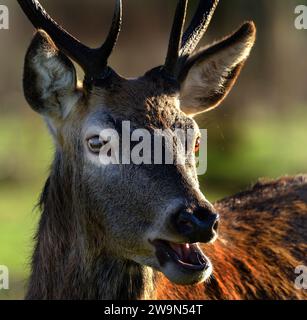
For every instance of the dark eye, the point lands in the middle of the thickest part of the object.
(95, 144)
(197, 145)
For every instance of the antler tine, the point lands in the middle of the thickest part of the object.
(104, 52)
(92, 61)
(198, 26)
(112, 38)
(176, 38)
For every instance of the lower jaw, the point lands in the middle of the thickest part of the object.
(174, 271)
(188, 268)
(181, 276)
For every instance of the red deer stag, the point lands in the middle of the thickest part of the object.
(107, 230)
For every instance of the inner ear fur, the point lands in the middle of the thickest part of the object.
(209, 75)
(50, 82)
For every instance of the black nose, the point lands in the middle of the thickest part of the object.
(201, 225)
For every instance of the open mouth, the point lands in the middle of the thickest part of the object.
(187, 256)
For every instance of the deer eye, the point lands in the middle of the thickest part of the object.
(197, 145)
(95, 144)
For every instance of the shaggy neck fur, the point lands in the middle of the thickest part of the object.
(70, 260)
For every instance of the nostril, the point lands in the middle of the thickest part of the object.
(216, 226)
(198, 226)
(206, 214)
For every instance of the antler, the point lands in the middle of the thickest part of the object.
(94, 62)
(182, 46)
(176, 37)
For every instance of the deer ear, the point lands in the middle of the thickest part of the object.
(50, 82)
(209, 75)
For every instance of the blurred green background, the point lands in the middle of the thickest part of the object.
(259, 131)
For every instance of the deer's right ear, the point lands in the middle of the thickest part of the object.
(50, 82)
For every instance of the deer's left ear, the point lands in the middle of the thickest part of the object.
(209, 75)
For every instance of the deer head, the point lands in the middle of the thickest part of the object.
(151, 214)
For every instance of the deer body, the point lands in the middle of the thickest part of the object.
(107, 229)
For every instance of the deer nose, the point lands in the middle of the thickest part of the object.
(200, 225)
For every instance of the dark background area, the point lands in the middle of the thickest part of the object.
(259, 131)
